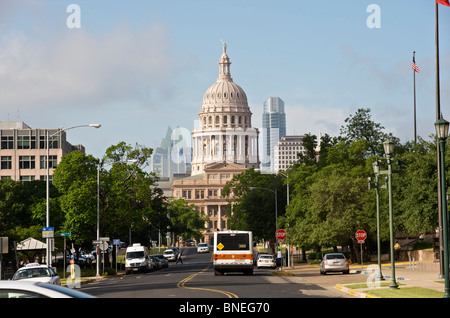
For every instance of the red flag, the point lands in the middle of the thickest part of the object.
(444, 2)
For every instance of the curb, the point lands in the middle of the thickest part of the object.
(353, 292)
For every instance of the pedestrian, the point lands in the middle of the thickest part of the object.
(179, 258)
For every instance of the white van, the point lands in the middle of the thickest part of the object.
(136, 259)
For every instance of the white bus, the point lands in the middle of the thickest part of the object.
(233, 252)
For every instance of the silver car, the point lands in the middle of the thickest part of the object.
(334, 262)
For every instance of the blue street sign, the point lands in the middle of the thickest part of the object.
(48, 232)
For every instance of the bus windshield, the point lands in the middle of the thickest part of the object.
(233, 241)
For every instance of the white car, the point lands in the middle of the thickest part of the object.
(31, 289)
(202, 248)
(266, 260)
(38, 273)
(169, 255)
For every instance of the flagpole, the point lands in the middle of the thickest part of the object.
(414, 73)
(438, 111)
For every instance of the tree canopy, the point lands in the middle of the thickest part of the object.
(329, 192)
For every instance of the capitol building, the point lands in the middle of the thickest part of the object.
(223, 145)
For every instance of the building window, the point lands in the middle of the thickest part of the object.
(53, 142)
(26, 162)
(27, 178)
(26, 142)
(52, 160)
(7, 142)
(6, 162)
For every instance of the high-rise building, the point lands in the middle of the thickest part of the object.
(23, 151)
(286, 152)
(273, 128)
(173, 156)
(224, 144)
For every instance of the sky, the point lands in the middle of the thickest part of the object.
(140, 66)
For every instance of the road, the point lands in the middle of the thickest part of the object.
(195, 279)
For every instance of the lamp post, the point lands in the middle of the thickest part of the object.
(442, 133)
(48, 251)
(376, 170)
(98, 213)
(389, 151)
(287, 203)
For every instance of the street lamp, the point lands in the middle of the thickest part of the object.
(376, 170)
(98, 212)
(48, 251)
(389, 151)
(442, 133)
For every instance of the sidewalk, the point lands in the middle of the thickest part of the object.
(423, 275)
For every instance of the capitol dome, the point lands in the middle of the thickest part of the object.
(225, 134)
(225, 102)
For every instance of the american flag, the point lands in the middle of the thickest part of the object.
(414, 65)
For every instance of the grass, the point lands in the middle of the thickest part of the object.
(405, 292)
(383, 291)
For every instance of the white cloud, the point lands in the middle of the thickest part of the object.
(76, 68)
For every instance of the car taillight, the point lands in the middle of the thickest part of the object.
(346, 262)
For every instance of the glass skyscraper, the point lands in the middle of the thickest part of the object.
(273, 128)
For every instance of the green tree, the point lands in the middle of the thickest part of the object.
(254, 210)
(185, 220)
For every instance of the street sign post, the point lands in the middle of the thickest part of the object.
(65, 235)
(48, 232)
(361, 236)
(280, 235)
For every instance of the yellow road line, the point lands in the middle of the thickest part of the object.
(182, 284)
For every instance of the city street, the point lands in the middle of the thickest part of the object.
(195, 279)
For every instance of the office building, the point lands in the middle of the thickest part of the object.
(273, 128)
(23, 151)
(172, 157)
(286, 152)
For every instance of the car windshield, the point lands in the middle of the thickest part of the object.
(31, 273)
(135, 254)
(335, 256)
(266, 257)
(168, 252)
(202, 244)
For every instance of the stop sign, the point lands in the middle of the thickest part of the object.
(361, 236)
(280, 234)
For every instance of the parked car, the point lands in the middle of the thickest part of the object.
(266, 260)
(334, 262)
(169, 254)
(163, 260)
(202, 248)
(33, 289)
(38, 273)
(156, 262)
